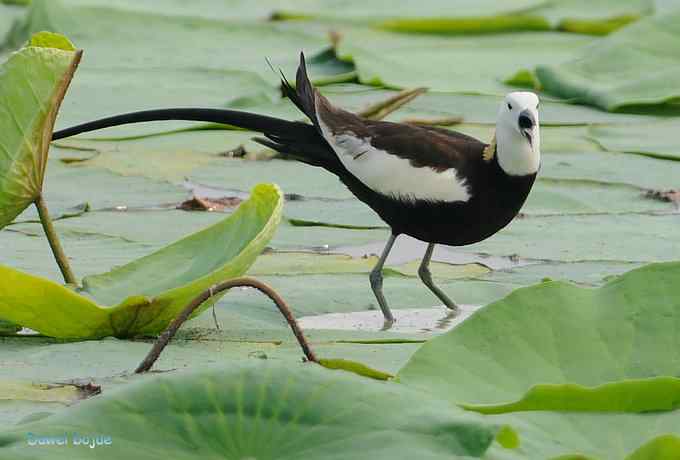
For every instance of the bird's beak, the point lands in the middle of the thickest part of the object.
(526, 124)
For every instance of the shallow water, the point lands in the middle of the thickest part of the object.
(411, 320)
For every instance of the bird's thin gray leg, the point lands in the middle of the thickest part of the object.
(426, 277)
(376, 278)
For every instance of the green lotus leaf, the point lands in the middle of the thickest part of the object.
(33, 81)
(477, 17)
(264, 411)
(149, 292)
(542, 345)
(589, 435)
(557, 333)
(602, 75)
(304, 263)
(398, 60)
(658, 139)
(217, 69)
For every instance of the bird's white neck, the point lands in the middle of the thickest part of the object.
(516, 156)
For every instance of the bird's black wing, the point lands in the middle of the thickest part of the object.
(437, 148)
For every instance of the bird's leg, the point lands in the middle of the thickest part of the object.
(376, 278)
(426, 277)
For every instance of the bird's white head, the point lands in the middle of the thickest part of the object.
(518, 139)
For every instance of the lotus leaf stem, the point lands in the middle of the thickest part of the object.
(53, 239)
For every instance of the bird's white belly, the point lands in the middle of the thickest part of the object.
(394, 176)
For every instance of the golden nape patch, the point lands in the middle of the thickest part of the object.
(490, 150)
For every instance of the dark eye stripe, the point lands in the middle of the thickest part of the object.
(509, 107)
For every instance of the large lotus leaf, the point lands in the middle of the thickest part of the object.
(213, 70)
(603, 74)
(264, 412)
(597, 18)
(469, 13)
(197, 345)
(556, 333)
(596, 167)
(631, 419)
(591, 436)
(659, 139)
(210, 9)
(33, 81)
(559, 334)
(627, 237)
(298, 263)
(475, 65)
(190, 42)
(151, 291)
(458, 17)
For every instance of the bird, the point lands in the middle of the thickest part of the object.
(433, 184)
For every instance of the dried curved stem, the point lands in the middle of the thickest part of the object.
(170, 332)
(381, 109)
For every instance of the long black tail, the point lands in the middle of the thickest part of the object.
(251, 121)
(299, 140)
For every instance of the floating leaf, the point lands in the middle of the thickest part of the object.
(407, 61)
(299, 263)
(625, 328)
(265, 412)
(604, 74)
(658, 139)
(561, 335)
(471, 17)
(149, 292)
(33, 81)
(216, 70)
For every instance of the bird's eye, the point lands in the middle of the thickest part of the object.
(509, 107)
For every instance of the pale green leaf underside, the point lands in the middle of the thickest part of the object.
(31, 82)
(148, 292)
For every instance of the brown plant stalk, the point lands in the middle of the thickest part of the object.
(172, 329)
